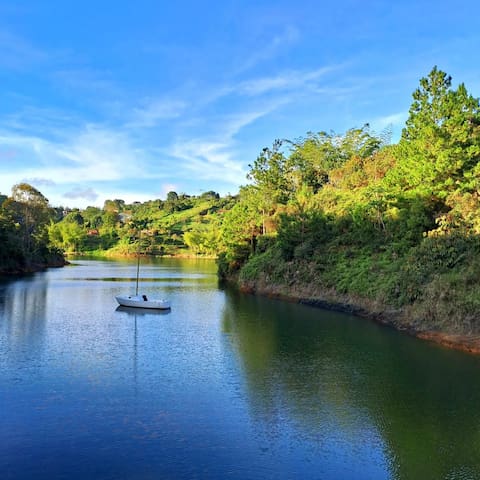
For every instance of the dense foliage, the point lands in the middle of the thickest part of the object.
(392, 227)
(24, 220)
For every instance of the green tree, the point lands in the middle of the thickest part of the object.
(68, 236)
(31, 212)
(241, 225)
(74, 217)
(203, 239)
(303, 226)
(92, 217)
(172, 196)
(116, 205)
(110, 220)
(440, 144)
(313, 158)
(10, 252)
(270, 174)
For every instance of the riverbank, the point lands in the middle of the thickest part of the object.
(402, 320)
(24, 268)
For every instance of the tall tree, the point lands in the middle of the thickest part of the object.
(270, 174)
(30, 210)
(440, 143)
(314, 157)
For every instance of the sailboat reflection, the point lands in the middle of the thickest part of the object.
(133, 313)
(141, 312)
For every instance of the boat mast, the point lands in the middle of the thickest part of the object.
(138, 262)
(138, 270)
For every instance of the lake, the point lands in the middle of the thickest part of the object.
(223, 386)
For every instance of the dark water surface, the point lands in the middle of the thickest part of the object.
(224, 386)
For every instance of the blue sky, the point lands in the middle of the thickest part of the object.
(115, 99)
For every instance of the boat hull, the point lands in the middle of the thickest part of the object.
(138, 301)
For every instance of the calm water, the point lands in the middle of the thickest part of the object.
(224, 386)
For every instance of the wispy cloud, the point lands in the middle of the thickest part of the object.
(99, 153)
(216, 157)
(90, 155)
(74, 168)
(270, 49)
(209, 160)
(289, 80)
(155, 111)
(45, 122)
(232, 124)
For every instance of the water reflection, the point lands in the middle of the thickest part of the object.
(134, 312)
(347, 384)
(23, 307)
(222, 386)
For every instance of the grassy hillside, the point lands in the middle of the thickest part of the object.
(181, 225)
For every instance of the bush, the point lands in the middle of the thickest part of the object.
(434, 256)
(230, 262)
(269, 264)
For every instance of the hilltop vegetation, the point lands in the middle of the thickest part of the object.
(182, 224)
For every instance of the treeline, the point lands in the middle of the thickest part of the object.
(181, 224)
(351, 218)
(34, 235)
(24, 243)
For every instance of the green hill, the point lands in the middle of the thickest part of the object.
(180, 225)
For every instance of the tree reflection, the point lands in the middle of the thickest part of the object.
(23, 308)
(331, 374)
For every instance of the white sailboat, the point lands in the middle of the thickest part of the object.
(142, 301)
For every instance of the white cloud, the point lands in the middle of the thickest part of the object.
(232, 124)
(97, 153)
(41, 122)
(215, 157)
(209, 160)
(290, 80)
(94, 154)
(155, 111)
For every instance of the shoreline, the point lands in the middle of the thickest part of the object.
(134, 255)
(312, 296)
(33, 267)
(393, 318)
